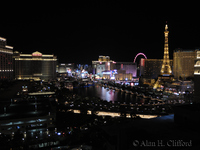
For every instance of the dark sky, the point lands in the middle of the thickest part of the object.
(81, 31)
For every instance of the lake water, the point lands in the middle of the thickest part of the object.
(103, 93)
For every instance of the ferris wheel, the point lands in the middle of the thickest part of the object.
(138, 55)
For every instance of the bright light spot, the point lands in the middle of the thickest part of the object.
(58, 133)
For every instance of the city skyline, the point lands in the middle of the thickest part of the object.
(80, 33)
(71, 75)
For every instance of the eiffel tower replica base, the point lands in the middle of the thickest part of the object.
(162, 79)
(166, 78)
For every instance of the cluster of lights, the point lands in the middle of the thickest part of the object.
(41, 93)
(36, 59)
(10, 47)
(6, 51)
(197, 73)
(2, 39)
(29, 55)
(5, 70)
(115, 114)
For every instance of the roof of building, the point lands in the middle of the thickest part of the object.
(26, 109)
(184, 50)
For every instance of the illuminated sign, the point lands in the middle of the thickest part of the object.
(36, 54)
(121, 66)
(142, 62)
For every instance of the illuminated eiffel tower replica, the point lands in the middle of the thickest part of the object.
(166, 71)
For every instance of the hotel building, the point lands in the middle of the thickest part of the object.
(103, 64)
(64, 68)
(197, 78)
(36, 66)
(129, 67)
(34, 118)
(109, 69)
(6, 63)
(152, 67)
(183, 61)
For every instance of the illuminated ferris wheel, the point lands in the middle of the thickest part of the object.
(138, 55)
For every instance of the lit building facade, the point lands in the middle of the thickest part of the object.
(103, 64)
(109, 69)
(142, 67)
(152, 67)
(6, 62)
(129, 67)
(65, 68)
(197, 78)
(183, 63)
(30, 117)
(123, 76)
(36, 66)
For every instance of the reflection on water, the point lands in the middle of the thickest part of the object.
(105, 94)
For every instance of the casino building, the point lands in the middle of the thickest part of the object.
(109, 69)
(6, 63)
(152, 67)
(36, 66)
(183, 62)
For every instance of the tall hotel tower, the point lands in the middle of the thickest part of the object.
(6, 63)
(166, 71)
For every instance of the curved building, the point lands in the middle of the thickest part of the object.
(197, 78)
(6, 64)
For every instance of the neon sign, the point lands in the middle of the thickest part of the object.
(36, 54)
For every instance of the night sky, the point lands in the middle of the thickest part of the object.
(81, 31)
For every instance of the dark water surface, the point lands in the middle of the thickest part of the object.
(105, 94)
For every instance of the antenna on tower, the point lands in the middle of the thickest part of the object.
(166, 27)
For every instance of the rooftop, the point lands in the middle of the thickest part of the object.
(26, 109)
